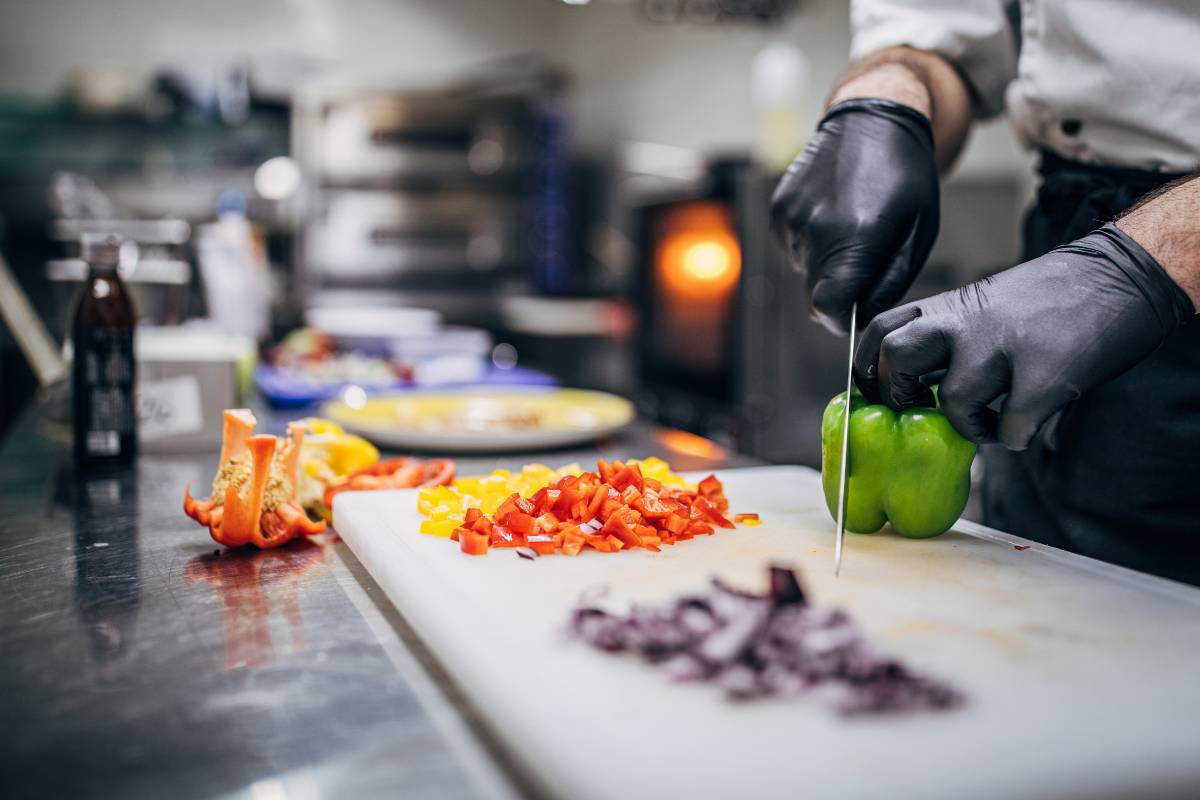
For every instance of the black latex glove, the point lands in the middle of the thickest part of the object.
(1042, 333)
(858, 209)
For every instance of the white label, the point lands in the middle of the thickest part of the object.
(169, 407)
(103, 443)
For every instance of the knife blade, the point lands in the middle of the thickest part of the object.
(841, 516)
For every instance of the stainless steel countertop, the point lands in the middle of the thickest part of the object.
(138, 658)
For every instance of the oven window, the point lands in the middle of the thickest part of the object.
(695, 264)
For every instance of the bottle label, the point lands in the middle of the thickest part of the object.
(104, 385)
(103, 443)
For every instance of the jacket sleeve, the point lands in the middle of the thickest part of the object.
(976, 36)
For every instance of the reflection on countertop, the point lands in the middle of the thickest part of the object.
(107, 588)
(257, 587)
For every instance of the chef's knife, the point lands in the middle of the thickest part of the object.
(841, 515)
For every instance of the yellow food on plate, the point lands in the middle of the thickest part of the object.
(327, 456)
(483, 420)
(445, 506)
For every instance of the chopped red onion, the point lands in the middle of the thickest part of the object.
(756, 646)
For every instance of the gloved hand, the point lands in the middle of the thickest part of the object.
(1042, 333)
(858, 209)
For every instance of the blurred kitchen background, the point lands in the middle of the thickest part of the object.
(442, 192)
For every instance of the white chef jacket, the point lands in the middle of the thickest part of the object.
(1112, 82)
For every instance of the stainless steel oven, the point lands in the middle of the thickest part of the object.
(437, 197)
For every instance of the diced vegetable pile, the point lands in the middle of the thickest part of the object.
(758, 645)
(617, 507)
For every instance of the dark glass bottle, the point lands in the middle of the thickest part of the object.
(104, 369)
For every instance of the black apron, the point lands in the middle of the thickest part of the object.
(1116, 476)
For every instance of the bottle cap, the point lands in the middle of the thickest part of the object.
(101, 249)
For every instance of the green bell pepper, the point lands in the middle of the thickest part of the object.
(909, 468)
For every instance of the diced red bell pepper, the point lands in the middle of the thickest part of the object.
(609, 507)
(571, 496)
(602, 544)
(711, 488)
(502, 536)
(573, 541)
(707, 509)
(628, 475)
(599, 495)
(616, 526)
(644, 530)
(653, 506)
(509, 505)
(520, 523)
(629, 515)
(675, 523)
(472, 543)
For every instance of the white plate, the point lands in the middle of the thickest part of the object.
(484, 420)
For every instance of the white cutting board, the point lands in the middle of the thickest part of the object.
(1083, 679)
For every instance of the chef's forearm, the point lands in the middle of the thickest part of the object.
(1167, 224)
(918, 79)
